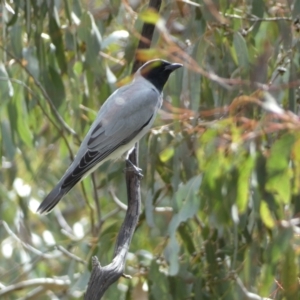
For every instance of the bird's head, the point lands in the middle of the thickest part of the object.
(157, 71)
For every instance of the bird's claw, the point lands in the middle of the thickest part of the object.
(137, 171)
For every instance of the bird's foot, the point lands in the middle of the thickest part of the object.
(137, 171)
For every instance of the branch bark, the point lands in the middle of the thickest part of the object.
(102, 277)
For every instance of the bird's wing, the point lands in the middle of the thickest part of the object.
(124, 115)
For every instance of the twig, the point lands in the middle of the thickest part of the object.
(122, 206)
(27, 246)
(172, 50)
(97, 203)
(62, 222)
(256, 19)
(71, 255)
(163, 209)
(119, 203)
(21, 271)
(46, 283)
(91, 209)
(190, 3)
(110, 214)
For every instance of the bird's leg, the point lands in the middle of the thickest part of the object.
(134, 168)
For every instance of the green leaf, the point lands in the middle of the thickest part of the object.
(258, 9)
(241, 50)
(18, 117)
(171, 254)
(188, 202)
(149, 210)
(159, 286)
(89, 33)
(16, 40)
(243, 184)
(57, 39)
(8, 145)
(31, 61)
(280, 154)
(266, 215)
(266, 280)
(54, 86)
(279, 174)
(296, 9)
(166, 154)
(149, 16)
(289, 274)
(77, 68)
(186, 236)
(6, 88)
(211, 257)
(278, 245)
(14, 18)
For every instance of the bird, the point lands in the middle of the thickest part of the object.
(124, 118)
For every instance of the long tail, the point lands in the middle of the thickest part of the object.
(52, 199)
(65, 184)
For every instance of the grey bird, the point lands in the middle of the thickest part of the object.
(124, 118)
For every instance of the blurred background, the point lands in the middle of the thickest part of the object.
(221, 186)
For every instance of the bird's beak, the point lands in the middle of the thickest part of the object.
(173, 67)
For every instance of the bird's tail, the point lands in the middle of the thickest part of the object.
(62, 188)
(52, 199)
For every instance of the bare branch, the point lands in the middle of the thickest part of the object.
(27, 246)
(103, 277)
(253, 18)
(122, 206)
(47, 283)
(70, 255)
(119, 203)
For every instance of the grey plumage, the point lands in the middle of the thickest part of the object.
(122, 120)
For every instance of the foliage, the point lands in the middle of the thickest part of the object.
(221, 187)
